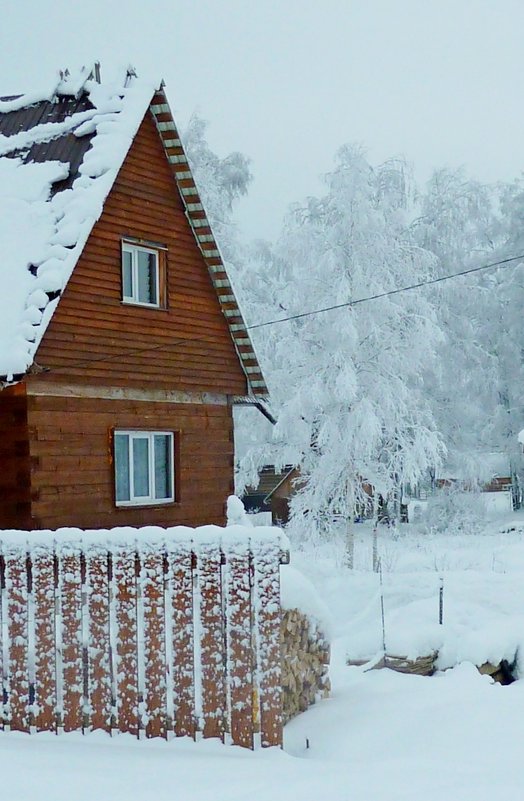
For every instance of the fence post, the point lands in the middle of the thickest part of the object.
(239, 642)
(17, 628)
(152, 587)
(125, 638)
(266, 554)
(212, 636)
(44, 589)
(180, 566)
(71, 608)
(99, 663)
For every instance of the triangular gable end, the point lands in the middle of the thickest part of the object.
(192, 204)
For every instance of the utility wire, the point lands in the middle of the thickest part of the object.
(186, 340)
(386, 294)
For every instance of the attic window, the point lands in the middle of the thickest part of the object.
(142, 277)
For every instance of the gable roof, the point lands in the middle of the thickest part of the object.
(59, 158)
(269, 480)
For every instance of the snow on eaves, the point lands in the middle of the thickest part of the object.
(43, 234)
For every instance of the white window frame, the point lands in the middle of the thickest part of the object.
(143, 500)
(134, 250)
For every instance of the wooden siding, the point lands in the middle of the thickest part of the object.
(93, 337)
(72, 461)
(15, 482)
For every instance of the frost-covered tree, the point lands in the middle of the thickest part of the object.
(459, 225)
(478, 386)
(221, 183)
(347, 383)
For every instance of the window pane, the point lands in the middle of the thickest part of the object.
(147, 288)
(127, 275)
(163, 466)
(140, 467)
(122, 467)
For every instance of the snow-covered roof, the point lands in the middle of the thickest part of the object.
(478, 465)
(60, 152)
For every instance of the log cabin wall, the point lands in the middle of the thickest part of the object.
(95, 338)
(73, 472)
(15, 481)
(96, 342)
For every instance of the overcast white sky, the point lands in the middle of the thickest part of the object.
(439, 81)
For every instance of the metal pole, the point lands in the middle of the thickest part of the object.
(382, 612)
(441, 600)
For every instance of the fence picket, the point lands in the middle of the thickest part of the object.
(267, 624)
(180, 561)
(171, 633)
(71, 630)
(211, 639)
(152, 586)
(239, 645)
(17, 626)
(45, 646)
(99, 666)
(124, 584)
(3, 643)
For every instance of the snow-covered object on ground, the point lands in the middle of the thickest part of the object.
(483, 597)
(42, 230)
(521, 437)
(298, 592)
(236, 514)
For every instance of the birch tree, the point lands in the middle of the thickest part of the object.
(348, 382)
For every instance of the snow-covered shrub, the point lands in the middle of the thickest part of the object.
(455, 511)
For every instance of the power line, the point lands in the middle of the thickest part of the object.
(185, 340)
(385, 294)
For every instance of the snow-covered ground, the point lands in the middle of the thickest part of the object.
(382, 736)
(483, 592)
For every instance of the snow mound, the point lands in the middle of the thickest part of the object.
(298, 592)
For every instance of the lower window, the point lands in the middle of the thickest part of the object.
(144, 467)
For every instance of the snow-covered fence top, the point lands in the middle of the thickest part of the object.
(156, 632)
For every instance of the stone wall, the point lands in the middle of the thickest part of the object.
(305, 663)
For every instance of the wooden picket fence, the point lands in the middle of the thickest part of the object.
(158, 633)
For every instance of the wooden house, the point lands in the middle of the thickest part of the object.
(273, 493)
(122, 347)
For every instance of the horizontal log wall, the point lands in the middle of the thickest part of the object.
(152, 634)
(15, 478)
(72, 472)
(94, 337)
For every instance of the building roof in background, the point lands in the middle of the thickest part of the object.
(270, 479)
(476, 465)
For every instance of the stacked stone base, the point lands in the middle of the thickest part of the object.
(305, 663)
